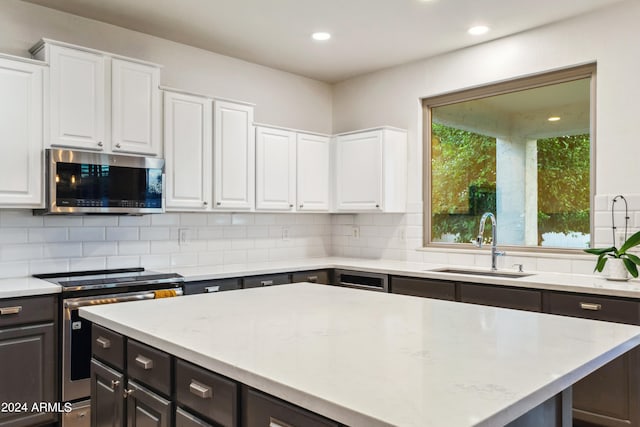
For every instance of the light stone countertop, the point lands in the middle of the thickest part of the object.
(26, 286)
(583, 283)
(374, 359)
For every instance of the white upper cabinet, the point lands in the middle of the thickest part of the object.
(21, 132)
(187, 142)
(275, 169)
(99, 101)
(371, 171)
(312, 165)
(77, 98)
(135, 96)
(233, 156)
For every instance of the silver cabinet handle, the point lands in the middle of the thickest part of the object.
(301, 206)
(590, 306)
(205, 203)
(290, 205)
(218, 203)
(274, 422)
(144, 362)
(127, 393)
(210, 289)
(200, 390)
(377, 206)
(312, 279)
(266, 282)
(10, 310)
(100, 144)
(118, 145)
(103, 342)
(114, 384)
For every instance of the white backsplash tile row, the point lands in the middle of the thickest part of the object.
(32, 244)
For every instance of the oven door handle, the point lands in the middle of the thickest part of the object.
(110, 299)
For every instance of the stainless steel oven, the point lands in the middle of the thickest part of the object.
(81, 289)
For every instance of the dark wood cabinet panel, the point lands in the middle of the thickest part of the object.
(426, 288)
(28, 372)
(266, 280)
(210, 286)
(29, 357)
(107, 346)
(259, 410)
(149, 366)
(206, 393)
(145, 408)
(185, 419)
(610, 395)
(500, 296)
(315, 276)
(107, 396)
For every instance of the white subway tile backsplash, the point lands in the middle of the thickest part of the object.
(20, 218)
(41, 266)
(462, 259)
(100, 221)
(601, 202)
(154, 233)
(62, 221)
(13, 235)
(234, 232)
(164, 247)
(257, 255)
(62, 250)
(133, 247)
(193, 219)
(14, 269)
(219, 219)
(87, 263)
(123, 261)
(165, 219)
(242, 219)
(184, 260)
(219, 244)
(20, 252)
(52, 234)
(87, 234)
(210, 258)
(257, 231)
(155, 261)
(122, 233)
(134, 221)
(193, 246)
(93, 249)
(554, 265)
(234, 257)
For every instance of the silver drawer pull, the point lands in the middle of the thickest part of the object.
(210, 289)
(590, 306)
(103, 342)
(114, 384)
(266, 282)
(312, 279)
(274, 422)
(200, 390)
(144, 362)
(10, 310)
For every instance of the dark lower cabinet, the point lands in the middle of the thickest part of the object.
(211, 286)
(145, 408)
(266, 280)
(501, 296)
(107, 396)
(426, 288)
(260, 410)
(609, 396)
(28, 360)
(315, 276)
(185, 419)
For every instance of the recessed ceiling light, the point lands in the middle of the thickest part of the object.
(478, 30)
(321, 36)
(553, 118)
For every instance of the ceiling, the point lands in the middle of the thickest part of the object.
(366, 34)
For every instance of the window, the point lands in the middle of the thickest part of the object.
(519, 149)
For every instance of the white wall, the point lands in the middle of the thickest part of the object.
(281, 98)
(391, 96)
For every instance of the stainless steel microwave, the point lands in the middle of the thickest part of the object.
(81, 182)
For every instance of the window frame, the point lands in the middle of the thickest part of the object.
(500, 88)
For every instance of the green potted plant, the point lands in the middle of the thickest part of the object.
(621, 261)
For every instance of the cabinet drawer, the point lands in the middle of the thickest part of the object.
(426, 288)
(149, 366)
(259, 409)
(20, 311)
(208, 394)
(185, 419)
(318, 276)
(208, 286)
(594, 307)
(107, 346)
(498, 296)
(267, 280)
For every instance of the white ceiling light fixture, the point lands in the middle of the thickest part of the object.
(554, 119)
(321, 36)
(478, 30)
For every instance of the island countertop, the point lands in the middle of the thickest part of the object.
(374, 359)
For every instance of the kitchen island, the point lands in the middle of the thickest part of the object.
(374, 359)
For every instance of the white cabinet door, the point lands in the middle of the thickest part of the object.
(275, 169)
(135, 97)
(359, 171)
(21, 138)
(233, 156)
(187, 137)
(77, 103)
(312, 160)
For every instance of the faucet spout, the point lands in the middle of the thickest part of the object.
(494, 238)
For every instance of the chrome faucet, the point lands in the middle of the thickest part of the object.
(494, 252)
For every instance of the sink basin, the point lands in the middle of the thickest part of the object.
(513, 275)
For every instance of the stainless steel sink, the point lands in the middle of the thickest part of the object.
(509, 274)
